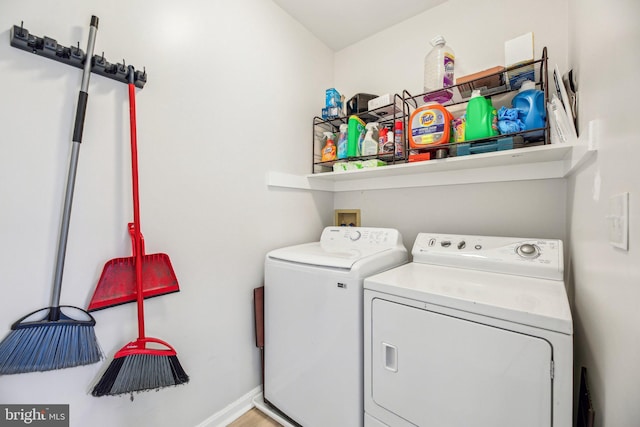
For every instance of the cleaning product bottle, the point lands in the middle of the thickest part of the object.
(329, 150)
(481, 120)
(370, 141)
(354, 137)
(385, 141)
(530, 104)
(398, 139)
(342, 141)
(429, 125)
(438, 71)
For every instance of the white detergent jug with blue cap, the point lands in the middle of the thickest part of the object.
(530, 105)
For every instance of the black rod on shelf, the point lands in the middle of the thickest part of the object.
(47, 47)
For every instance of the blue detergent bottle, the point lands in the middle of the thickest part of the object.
(530, 105)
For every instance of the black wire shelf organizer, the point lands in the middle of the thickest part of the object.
(501, 92)
(385, 116)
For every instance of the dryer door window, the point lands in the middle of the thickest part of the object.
(433, 369)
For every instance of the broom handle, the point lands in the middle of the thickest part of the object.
(73, 167)
(136, 202)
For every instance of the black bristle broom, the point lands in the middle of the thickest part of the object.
(137, 367)
(57, 341)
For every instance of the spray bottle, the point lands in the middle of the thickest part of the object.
(385, 141)
(329, 150)
(370, 142)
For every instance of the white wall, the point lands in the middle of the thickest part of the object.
(604, 45)
(230, 84)
(524, 209)
(392, 60)
(600, 41)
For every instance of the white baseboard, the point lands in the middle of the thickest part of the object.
(258, 402)
(232, 411)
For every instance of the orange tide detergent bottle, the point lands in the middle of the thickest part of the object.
(329, 150)
(429, 125)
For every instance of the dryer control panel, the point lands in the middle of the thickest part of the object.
(542, 258)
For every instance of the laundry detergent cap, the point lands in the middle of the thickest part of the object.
(527, 85)
(437, 40)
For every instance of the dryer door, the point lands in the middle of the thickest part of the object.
(431, 369)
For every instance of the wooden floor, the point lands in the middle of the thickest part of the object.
(254, 418)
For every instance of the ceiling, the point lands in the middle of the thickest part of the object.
(335, 23)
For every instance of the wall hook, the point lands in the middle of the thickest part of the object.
(74, 56)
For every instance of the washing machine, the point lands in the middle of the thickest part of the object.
(313, 320)
(475, 331)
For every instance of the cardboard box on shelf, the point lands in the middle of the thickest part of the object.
(486, 80)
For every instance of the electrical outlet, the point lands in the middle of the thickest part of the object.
(618, 221)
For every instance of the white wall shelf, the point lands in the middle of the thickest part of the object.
(529, 163)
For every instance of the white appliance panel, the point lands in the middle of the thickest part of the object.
(540, 303)
(429, 369)
(538, 258)
(319, 255)
(370, 421)
(341, 247)
(313, 345)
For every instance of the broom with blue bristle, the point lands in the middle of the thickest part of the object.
(146, 363)
(57, 340)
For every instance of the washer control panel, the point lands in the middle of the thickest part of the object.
(360, 236)
(541, 258)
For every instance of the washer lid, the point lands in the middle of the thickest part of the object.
(540, 303)
(342, 247)
(325, 255)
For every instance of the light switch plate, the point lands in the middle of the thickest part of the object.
(618, 221)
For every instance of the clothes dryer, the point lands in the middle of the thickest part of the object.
(476, 331)
(313, 323)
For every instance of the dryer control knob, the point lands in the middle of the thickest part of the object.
(528, 250)
(355, 235)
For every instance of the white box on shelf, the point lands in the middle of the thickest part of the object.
(518, 51)
(383, 106)
(380, 101)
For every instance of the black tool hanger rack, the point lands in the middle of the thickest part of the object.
(73, 55)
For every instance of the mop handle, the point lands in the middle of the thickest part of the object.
(136, 202)
(73, 167)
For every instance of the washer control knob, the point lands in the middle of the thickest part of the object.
(462, 245)
(355, 235)
(528, 250)
(445, 243)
